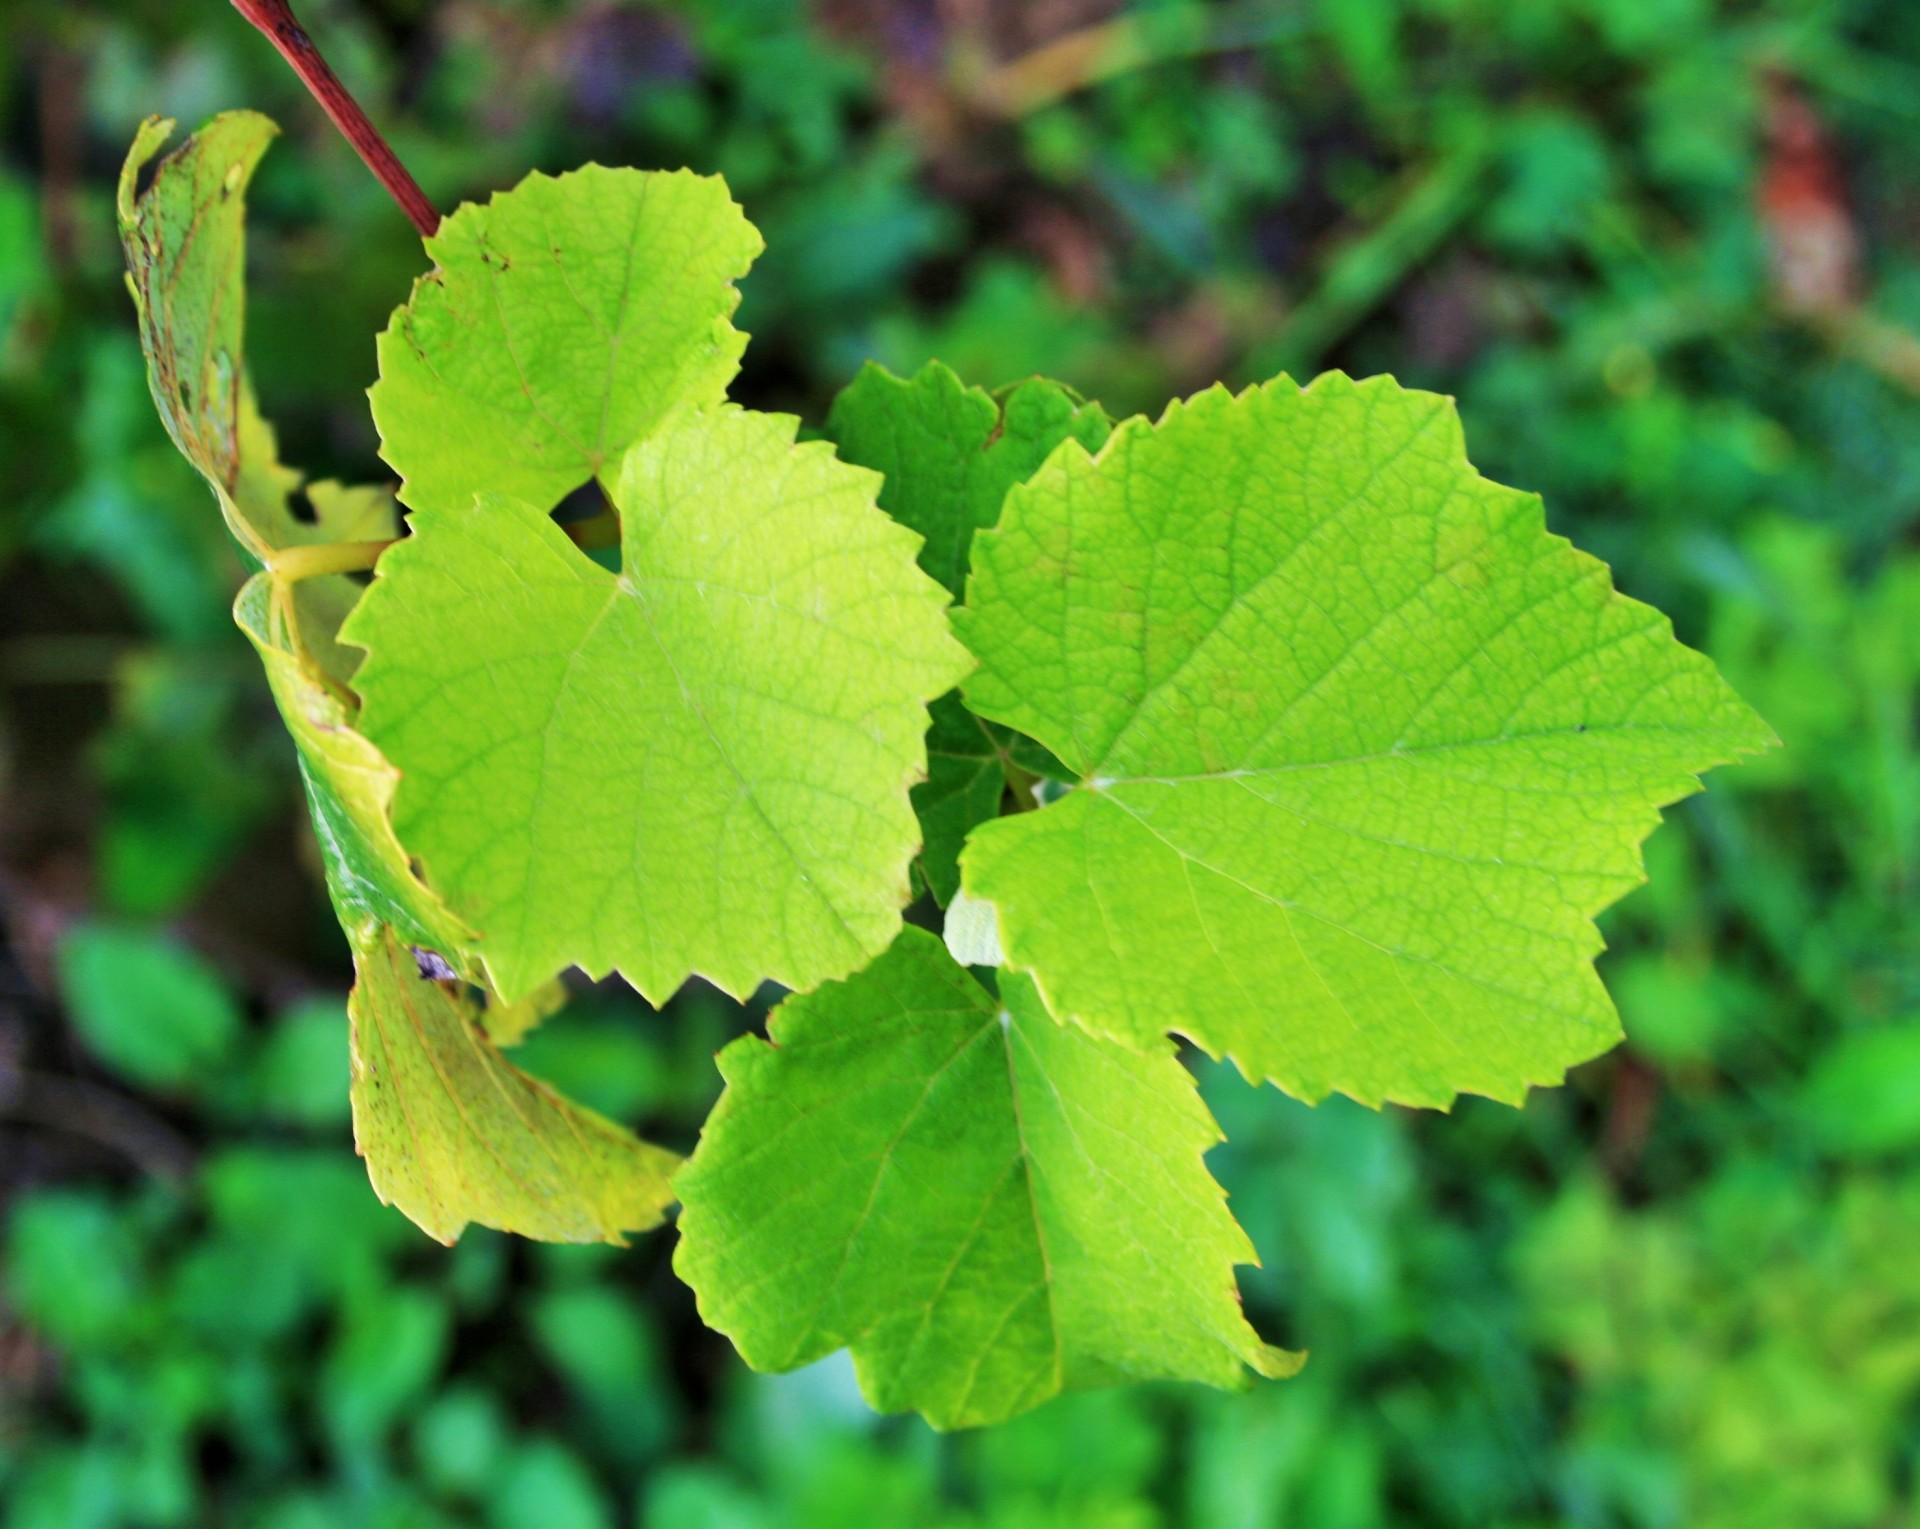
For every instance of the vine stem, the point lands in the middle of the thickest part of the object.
(276, 22)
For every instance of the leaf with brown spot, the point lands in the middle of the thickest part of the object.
(453, 1133)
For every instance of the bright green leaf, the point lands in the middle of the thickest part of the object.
(1362, 748)
(984, 1205)
(697, 764)
(452, 1133)
(561, 321)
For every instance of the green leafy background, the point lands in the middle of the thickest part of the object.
(1660, 250)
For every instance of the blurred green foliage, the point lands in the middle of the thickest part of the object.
(1664, 252)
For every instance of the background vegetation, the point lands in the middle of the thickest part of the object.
(1667, 255)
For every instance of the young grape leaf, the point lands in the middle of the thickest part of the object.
(697, 764)
(1362, 748)
(984, 1205)
(349, 791)
(950, 452)
(561, 321)
(452, 1133)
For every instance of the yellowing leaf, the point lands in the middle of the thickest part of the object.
(453, 1133)
(349, 791)
(185, 238)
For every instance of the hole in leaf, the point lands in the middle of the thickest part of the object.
(300, 506)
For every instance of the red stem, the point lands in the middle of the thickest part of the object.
(276, 21)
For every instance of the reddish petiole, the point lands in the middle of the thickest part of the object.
(276, 20)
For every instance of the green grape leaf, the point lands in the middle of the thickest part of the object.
(1362, 749)
(699, 763)
(561, 321)
(453, 1133)
(350, 789)
(949, 452)
(984, 1205)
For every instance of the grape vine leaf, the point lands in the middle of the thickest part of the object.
(453, 1133)
(699, 763)
(949, 453)
(1362, 749)
(561, 321)
(185, 239)
(984, 1205)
